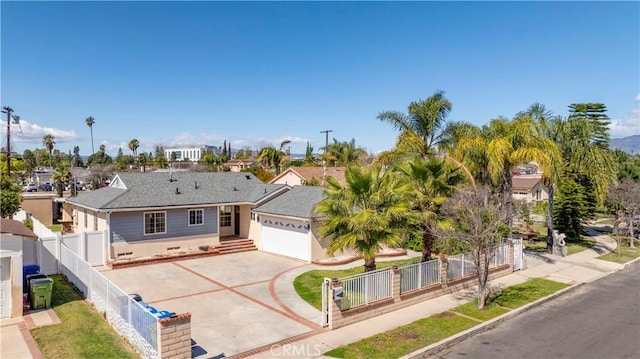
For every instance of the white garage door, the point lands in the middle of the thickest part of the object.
(290, 241)
(5, 287)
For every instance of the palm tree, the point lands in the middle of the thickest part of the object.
(493, 151)
(370, 211)
(133, 146)
(431, 182)
(48, 142)
(60, 176)
(90, 121)
(271, 157)
(426, 119)
(345, 153)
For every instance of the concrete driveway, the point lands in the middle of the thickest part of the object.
(239, 302)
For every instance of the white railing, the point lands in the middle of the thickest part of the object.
(128, 317)
(460, 266)
(419, 275)
(500, 255)
(366, 288)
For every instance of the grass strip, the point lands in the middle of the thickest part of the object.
(626, 254)
(82, 333)
(424, 332)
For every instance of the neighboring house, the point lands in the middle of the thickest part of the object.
(239, 165)
(294, 176)
(191, 152)
(15, 238)
(147, 214)
(288, 225)
(529, 188)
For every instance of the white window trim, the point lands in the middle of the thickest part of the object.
(189, 224)
(95, 220)
(144, 227)
(222, 213)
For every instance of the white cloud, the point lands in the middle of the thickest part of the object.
(626, 127)
(30, 132)
(638, 97)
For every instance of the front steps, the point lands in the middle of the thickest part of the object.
(235, 245)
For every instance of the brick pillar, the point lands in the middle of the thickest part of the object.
(442, 259)
(396, 276)
(174, 336)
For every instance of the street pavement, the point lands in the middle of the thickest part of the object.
(598, 320)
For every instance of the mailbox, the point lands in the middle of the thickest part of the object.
(338, 293)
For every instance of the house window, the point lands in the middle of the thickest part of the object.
(253, 216)
(95, 221)
(196, 217)
(225, 216)
(155, 222)
(85, 218)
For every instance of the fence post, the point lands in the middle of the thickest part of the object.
(396, 278)
(510, 256)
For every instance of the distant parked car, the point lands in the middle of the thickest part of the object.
(31, 187)
(47, 186)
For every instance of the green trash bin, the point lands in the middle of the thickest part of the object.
(40, 292)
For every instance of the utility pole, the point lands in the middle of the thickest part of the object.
(326, 140)
(8, 110)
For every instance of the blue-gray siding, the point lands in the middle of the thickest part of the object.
(129, 226)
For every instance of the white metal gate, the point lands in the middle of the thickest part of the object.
(326, 297)
(518, 255)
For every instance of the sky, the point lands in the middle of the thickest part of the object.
(255, 74)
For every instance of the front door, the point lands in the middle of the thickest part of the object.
(236, 221)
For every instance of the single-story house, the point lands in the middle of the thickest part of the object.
(15, 238)
(146, 214)
(296, 176)
(529, 188)
(288, 225)
(239, 165)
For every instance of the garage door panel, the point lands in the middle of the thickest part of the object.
(288, 242)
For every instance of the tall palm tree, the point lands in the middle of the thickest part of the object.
(90, 121)
(426, 119)
(48, 141)
(431, 182)
(370, 211)
(133, 146)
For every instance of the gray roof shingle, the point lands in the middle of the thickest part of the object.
(298, 202)
(144, 190)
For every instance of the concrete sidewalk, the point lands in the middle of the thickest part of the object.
(16, 341)
(575, 270)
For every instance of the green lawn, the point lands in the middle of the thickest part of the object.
(626, 254)
(55, 227)
(82, 333)
(421, 333)
(308, 285)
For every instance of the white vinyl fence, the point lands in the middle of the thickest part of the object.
(128, 317)
(74, 255)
